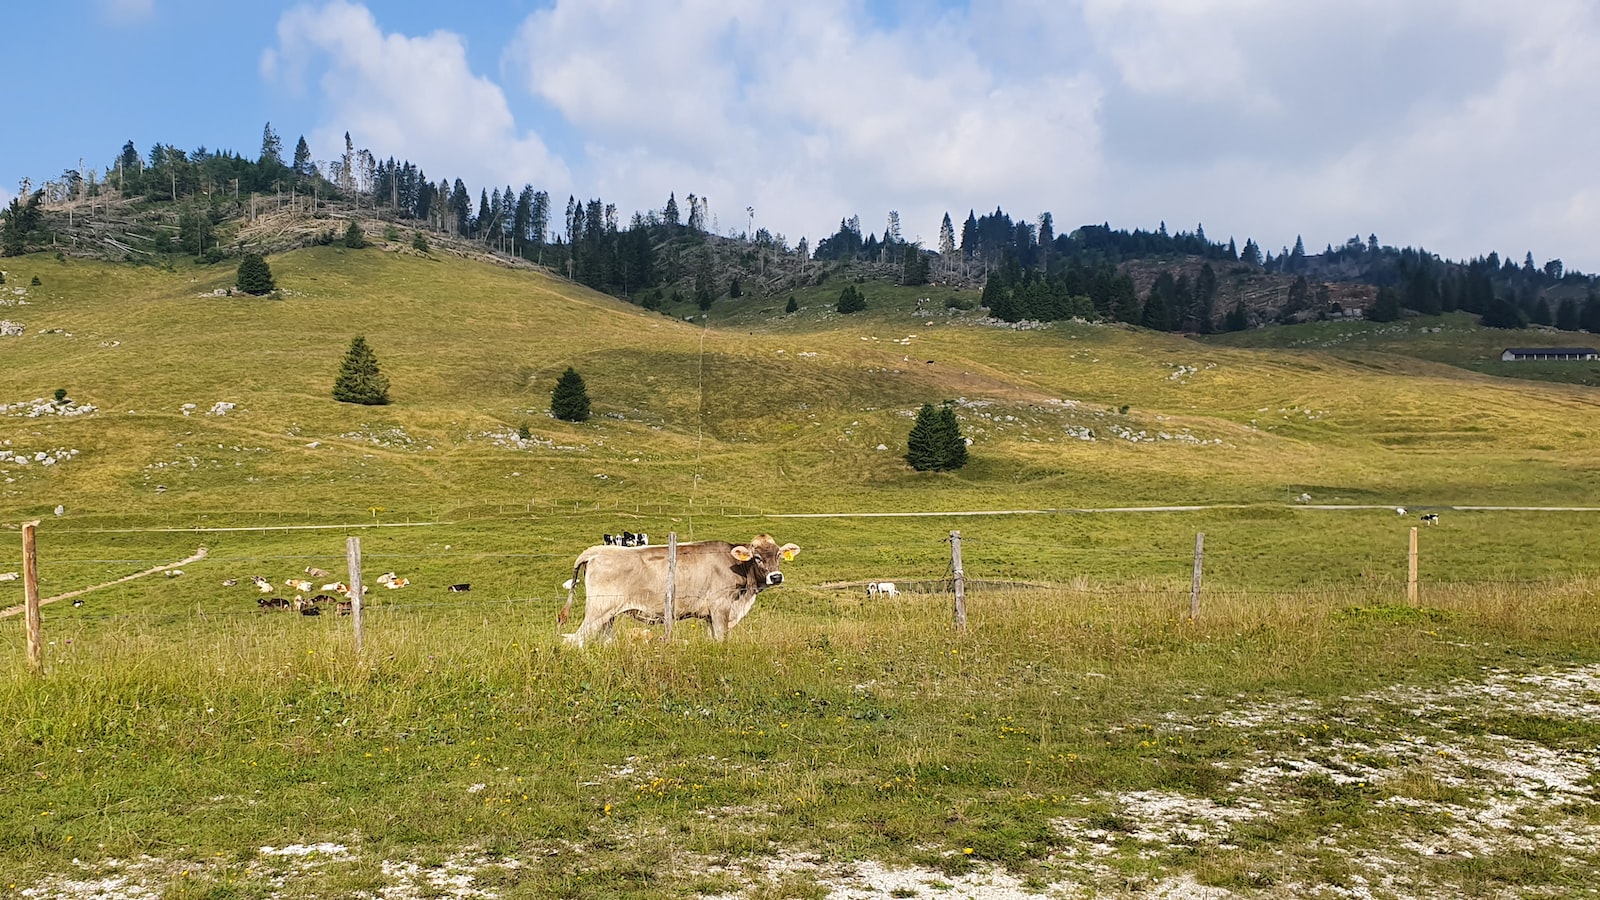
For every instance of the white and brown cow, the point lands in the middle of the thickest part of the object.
(716, 581)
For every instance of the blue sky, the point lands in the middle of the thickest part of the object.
(1461, 125)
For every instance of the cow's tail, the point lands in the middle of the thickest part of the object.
(571, 584)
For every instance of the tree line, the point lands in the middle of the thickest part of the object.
(662, 256)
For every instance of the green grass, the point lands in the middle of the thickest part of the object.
(176, 719)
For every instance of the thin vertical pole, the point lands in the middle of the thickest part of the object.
(672, 582)
(1194, 587)
(960, 580)
(352, 550)
(30, 595)
(1411, 573)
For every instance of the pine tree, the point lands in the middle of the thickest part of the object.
(947, 432)
(1567, 315)
(792, 306)
(922, 451)
(359, 380)
(271, 146)
(1502, 313)
(354, 238)
(255, 276)
(570, 399)
(851, 300)
(302, 158)
(1386, 308)
(1236, 319)
(22, 218)
(947, 239)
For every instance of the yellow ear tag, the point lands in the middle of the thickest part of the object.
(789, 551)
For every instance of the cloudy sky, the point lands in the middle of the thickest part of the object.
(1464, 126)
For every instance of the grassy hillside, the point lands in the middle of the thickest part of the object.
(185, 743)
(764, 413)
(1454, 338)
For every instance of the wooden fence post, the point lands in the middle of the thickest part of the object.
(30, 596)
(960, 581)
(669, 610)
(1194, 587)
(352, 552)
(1411, 571)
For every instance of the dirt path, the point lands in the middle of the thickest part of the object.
(18, 610)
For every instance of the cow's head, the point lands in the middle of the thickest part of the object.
(765, 558)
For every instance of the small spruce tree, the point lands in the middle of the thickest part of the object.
(851, 300)
(570, 399)
(792, 306)
(419, 242)
(923, 451)
(354, 237)
(359, 380)
(255, 276)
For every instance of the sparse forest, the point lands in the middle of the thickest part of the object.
(167, 201)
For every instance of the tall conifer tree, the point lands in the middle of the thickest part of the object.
(570, 399)
(359, 380)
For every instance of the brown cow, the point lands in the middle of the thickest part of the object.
(716, 581)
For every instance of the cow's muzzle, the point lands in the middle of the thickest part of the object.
(774, 578)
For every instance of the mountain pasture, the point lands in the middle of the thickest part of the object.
(1310, 732)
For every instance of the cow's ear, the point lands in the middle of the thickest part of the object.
(742, 553)
(789, 551)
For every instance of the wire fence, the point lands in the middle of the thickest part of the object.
(919, 569)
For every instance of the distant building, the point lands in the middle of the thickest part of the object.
(1517, 354)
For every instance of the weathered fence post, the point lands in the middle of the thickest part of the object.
(1411, 572)
(960, 581)
(352, 552)
(30, 595)
(1194, 587)
(668, 611)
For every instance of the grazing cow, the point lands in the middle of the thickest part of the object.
(1399, 510)
(343, 607)
(174, 573)
(315, 572)
(395, 584)
(716, 581)
(386, 577)
(299, 584)
(9, 576)
(273, 603)
(1431, 518)
(459, 588)
(882, 589)
(262, 585)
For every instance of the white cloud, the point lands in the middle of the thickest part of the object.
(1462, 163)
(1460, 126)
(805, 112)
(408, 97)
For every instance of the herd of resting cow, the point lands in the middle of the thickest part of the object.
(626, 576)
(312, 606)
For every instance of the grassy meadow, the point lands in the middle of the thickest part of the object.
(174, 720)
